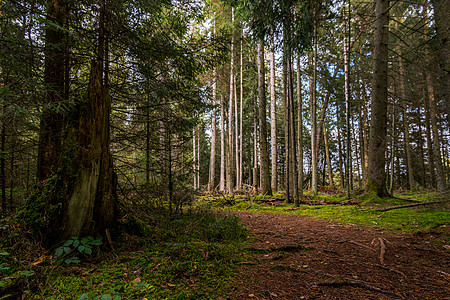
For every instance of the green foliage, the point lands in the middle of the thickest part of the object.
(66, 252)
(44, 205)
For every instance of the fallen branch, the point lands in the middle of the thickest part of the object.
(411, 205)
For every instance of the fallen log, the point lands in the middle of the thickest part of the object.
(411, 205)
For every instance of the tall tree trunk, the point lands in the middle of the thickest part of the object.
(147, 145)
(52, 120)
(300, 127)
(264, 168)
(197, 171)
(255, 144)
(404, 104)
(327, 155)
(440, 177)
(313, 104)
(212, 158)
(194, 149)
(2, 165)
(230, 152)
(429, 141)
(420, 145)
(366, 132)
(347, 102)
(292, 137)
(287, 128)
(273, 119)
(241, 154)
(442, 23)
(222, 143)
(377, 144)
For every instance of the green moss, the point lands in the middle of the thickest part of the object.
(44, 206)
(193, 255)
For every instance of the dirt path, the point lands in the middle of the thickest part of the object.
(303, 258)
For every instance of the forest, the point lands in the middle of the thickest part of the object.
(224, 149)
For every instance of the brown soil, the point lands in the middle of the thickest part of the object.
(303, 258)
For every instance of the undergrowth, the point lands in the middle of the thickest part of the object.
(191, 255)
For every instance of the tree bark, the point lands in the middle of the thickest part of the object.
(264, 169)
(327, 154)
(287, 129)
(52, 119)
(442, 23)
(222, 144)
(430, 155)
(273, 119)
(241, 154)
(255, 144)
(404, 104)
(212, 158)
(347, 104)
(300, 127)
(440, 177)
(293, 146)
(313, 104)
(230, 152)
(377, 144)
(91, 207)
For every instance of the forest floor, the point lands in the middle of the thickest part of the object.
(298, 257)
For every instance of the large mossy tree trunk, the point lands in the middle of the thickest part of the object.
(376, 173)
(91, 196)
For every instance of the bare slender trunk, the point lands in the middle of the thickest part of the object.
(212, 159)
(347, 104)
(194, 167)
(429, 141)
(406, 139)
(327, 153)
(313, 116)
(273, 119)
(241, 171)
(222, 144)
(293, 146)
(440, 178)
(286, 129)
(300, 127)
(230, 152)
(255, 144)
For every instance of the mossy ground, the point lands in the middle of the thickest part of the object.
(191, 255)
(363, 210)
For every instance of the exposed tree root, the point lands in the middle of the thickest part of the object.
(285, 248)
(338, 281)
(390, 269)
(382, 250)
(361, 245)
(358, 283)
